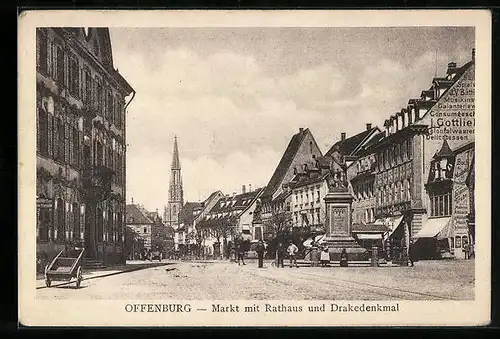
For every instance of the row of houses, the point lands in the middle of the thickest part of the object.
(411, 179)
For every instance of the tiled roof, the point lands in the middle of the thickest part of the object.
(186, 214)
(349, 145)
(285, 162)
(366, 148)
(229, 207)
(301, 183)
(136, 215)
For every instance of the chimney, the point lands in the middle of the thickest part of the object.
(452, 67)
(249, 187)
(473, 54)
(301, 130)
(243, 189)
(234, 193)
(132, 200)
(342, 136)
(368, 127)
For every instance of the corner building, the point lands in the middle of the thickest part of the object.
(81, 145)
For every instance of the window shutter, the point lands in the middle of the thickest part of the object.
(50, 135)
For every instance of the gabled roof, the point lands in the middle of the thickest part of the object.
(136, 215)
(285, 162)
(349, 145)
(186, 215)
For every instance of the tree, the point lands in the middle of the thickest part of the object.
(223, 228)
(279, 224)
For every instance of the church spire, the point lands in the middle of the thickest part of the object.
(176, 164)
(175, 190)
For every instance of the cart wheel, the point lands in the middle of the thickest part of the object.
(79, 277)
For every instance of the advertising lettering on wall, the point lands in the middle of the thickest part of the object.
(453, 117)
(460, 190)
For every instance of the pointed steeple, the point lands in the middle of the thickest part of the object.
(176, 164)
(175, 191)
(445, 151)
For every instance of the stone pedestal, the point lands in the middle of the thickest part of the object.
(338, 223)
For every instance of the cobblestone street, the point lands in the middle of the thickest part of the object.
(428, 280)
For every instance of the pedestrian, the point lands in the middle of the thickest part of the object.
(466, 250)
(240, 252)
(260, 248)
(280, 254)
(325, 257)
(411, 253)
(314, 254)
(343, 258)
(292, 253)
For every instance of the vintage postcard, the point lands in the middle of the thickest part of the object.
(263, 168)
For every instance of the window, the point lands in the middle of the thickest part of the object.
(76, 221)
(98, 93)
(465, 241)
(76, 148)
(88, 86)
(59, 142)
(310, 146)
(99, 154)
(458, 242)
(74, 76)
(441, 205)
(42, 51)
(110, 106)
(43, 132)
(59, 65)
(99, 225)
(410, 148)
(44, 224)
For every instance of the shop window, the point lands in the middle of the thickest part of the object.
(465, 241)
(458, 242)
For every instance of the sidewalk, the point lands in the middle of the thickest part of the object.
(130, 266)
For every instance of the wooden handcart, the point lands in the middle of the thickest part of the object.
(65, 268)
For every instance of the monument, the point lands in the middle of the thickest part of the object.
(338, 208)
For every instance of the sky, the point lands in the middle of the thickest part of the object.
(235, 96)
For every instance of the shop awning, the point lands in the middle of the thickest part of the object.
(393, 223)
(432, 228)
(365, 236)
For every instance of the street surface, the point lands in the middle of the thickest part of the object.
(428, 280)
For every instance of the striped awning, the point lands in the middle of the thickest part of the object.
(433, 228)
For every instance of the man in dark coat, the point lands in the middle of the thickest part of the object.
(260, 248)
(343, 258)
(240, 250)
(280, 253)
(411, 253)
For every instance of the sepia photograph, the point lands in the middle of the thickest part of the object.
(220, 162)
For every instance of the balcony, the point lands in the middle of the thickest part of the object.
(97, 181)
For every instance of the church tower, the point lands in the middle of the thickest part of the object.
(175, 193)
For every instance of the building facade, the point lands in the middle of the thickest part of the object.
(175, 191)
(405, 155)
(276, 198)
(81, 144)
